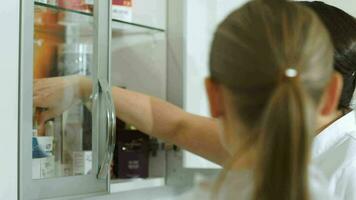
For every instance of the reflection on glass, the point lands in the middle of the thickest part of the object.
(63, 47)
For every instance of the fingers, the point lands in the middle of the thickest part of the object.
(41, 130)
(46, 115)
(43, 118)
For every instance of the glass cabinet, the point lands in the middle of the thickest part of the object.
(68, 127)
(66, 136)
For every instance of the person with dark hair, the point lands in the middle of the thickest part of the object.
(342, 29)
(334, 149)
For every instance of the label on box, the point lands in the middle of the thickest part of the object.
(122, 10)
(89, 2)
(51, 2)
(82, 162)
(42, 1)
(127, 3)
(45, 143)
(42, 146)
(71, 4)
(43, 168)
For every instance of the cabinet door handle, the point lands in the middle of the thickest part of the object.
(112, 130)
(104, 168)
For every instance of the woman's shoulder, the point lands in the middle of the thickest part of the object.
(236, 185)
(240, 185)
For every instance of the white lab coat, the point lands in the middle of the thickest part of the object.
(239, 185)
(334, 153)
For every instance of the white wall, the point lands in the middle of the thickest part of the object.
(9, 66)
(202, 17)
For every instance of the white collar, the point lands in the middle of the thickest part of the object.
(335, 132)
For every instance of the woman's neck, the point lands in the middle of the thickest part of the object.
(245, 160)
(326, 122)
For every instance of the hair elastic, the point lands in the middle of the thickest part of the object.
(291, 73)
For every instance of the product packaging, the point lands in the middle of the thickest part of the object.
(131, 158)
(82, 163)
(42, 146)
(122, 10)
(43, 167)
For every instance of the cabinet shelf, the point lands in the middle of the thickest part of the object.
(55, 7)
(124, 185)
(116, 22)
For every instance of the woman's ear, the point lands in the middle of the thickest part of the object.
(215, 97)
(331, 97)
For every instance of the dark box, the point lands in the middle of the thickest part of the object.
(131, 158)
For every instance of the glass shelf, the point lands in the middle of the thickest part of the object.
(117, 186)
(56, 7)
(116, 22)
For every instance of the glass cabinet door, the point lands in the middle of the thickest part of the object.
(66, 108)
(62, 125)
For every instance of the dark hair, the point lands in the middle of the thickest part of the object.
(253, 51)
(342, 28)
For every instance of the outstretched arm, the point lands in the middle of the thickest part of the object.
(148, 114)
(170, 123)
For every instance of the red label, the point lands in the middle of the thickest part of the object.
(127, 3)
(73, 4)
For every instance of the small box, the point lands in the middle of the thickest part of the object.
(43, 167)
(42, 146)
(122, 10)
(131, 159)
(71, 4)
(89, 2)
(82, 163)
(45, 143)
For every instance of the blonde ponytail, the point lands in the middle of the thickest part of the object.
(284, 145)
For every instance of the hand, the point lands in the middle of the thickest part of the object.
(55, 95)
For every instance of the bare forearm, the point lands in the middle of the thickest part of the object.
(170, 123)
